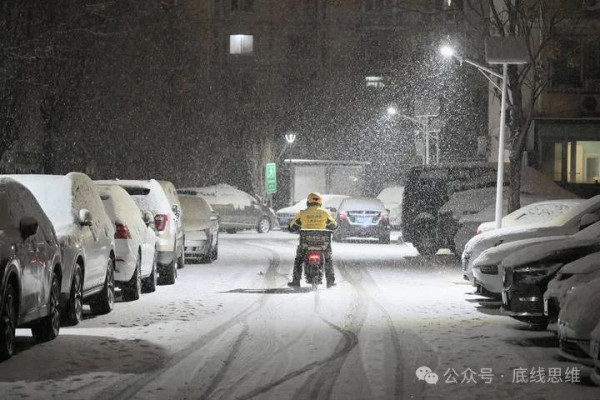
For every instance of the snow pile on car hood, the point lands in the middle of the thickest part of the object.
(223, 194)
(584, 265)
(544, 248)
(580, 312)
(503, 252)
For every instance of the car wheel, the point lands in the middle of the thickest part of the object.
(47, 328)
(181, 261)
(231, 230)
(384, 239)
(149, 283)
(74, 309)
(8, 322)
(264, 225)
(426, 246)
(105, 301)
(214, 254)
(133, 288)
(169, 275)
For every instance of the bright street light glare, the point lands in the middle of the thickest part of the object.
(447, 51)
(290, 137)
(391, 111)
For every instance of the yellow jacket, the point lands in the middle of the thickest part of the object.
(314, 217)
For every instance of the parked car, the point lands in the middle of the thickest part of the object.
(528, 270)
(569, 277)
(201, 226)
(595, 354)
(533, 213)
(171, 193)
(392, 197)
(237, 209)
(331, 202)
(150, 196)
(86, 237)
(427, 189)
(135, 242)
(570, 222)
(30, 268)
(576, 321)
(362, 217)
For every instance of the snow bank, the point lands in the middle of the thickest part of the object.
(223, 194)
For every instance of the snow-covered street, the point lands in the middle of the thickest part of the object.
(234, 330)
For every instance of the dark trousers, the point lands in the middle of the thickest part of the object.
(301, 255)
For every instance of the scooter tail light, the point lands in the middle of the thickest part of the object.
(314, 257)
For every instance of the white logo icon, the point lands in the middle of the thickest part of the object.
(425, 374)
(432, 378)
(422, 372)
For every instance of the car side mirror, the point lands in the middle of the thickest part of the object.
(214, 216)
(148, 218)
(28, 227)
(175, 210)
(85, 217)
(333, 210)
(587, 220)
(387, 211)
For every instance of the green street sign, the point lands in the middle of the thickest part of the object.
(271, 178)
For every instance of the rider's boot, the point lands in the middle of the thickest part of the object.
(294, 283)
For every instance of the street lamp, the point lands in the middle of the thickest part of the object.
(290, 138)
(499, 50)
(424, 124)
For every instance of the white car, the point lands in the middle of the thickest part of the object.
(577, 319)
(571, 276)
(86, 235)
(488, 268)
(171, 193)
(201, 226)
(150, 196)
(595, 354)
(331, 202)
(533, 213)
(572, 221)
(135, 242)
(392, 200)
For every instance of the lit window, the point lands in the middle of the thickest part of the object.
(374, 81)
(241, 44)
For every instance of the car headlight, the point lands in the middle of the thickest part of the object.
(489, 269)
(538, 270)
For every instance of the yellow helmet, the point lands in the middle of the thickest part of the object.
(314, 199)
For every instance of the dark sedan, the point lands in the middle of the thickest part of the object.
(362, 217)
(30, 270)
(525, 285)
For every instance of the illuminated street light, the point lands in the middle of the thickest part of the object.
(290, 138)
(392, 110)
(499, 50)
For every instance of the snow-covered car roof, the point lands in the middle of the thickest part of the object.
(119, 205)
(531, 213)
(580, 311)
(361, 203)
(194, 208)
(149, 195)
(16, 202)
(222, 194)
(329, 201)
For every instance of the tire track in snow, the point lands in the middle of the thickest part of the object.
(129, 388)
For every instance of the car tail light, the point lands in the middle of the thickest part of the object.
(122, 231)
(384, 217)
(160, 221)
(479, 232)
(314, 257)
(343, 217)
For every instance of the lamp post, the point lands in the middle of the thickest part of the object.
(424, 124)
(500, 50)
